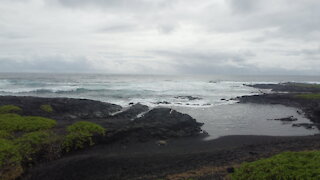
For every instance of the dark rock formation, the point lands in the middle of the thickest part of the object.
(162, 102)
(64, 109)
(160, 123)
(305, 125)
(288, 87)
(310, 107)
(287, 119)
(190, 98)
(132, 112)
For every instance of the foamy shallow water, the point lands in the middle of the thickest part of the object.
(248, 119)
(123, 90)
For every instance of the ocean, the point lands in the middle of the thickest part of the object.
(206, 98)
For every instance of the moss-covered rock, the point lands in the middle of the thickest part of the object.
(14, 122)
(85, 126)
(9, 109)
(47, 108)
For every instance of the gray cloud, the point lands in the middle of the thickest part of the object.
(216, 57)
(163, 36)
(118, 28)
(244, 6)
(45, 64)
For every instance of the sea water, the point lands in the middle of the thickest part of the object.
(206, 98)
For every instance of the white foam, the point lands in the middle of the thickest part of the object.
(125, 89)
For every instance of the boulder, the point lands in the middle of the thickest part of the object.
(132, 112)
(160, 123)
(190, 98)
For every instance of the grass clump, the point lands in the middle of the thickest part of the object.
(19, 152)
(5, 134)
(31, 143)
(47, 108)
(10, 160)
(9, 109)
(27, 139)
(284, 166)
(80, 134)
(15, 122)
(309, 96)
(9, 154)
(23, 139)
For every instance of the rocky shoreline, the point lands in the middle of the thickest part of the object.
(289, 95)
(135, 122)
(161, 143)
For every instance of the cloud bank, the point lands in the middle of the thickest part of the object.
(160, 36)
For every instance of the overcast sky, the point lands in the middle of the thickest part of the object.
(161, 36)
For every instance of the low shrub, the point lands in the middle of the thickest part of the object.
(33, 142)
(9, 109)
(284, 166)
(15, 122)
(28, 139)
(47, 108)
(23, 139)
(85, 126)
(80, 135)
(10, 160)
(5, 134)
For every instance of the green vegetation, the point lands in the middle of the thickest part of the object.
(20, 139)
(306, 85)
(34, 142)
(25, 139)
(47, 108)
(9, 109)
(309, 96)
(15, 122)
(5, 134)
(80, 134)
(85, 126)
(9, 154)
(284, 166)
(10, 160)
(15, 152)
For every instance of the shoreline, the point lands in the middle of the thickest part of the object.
(130, 155)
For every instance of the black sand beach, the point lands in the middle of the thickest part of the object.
(179, 159)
